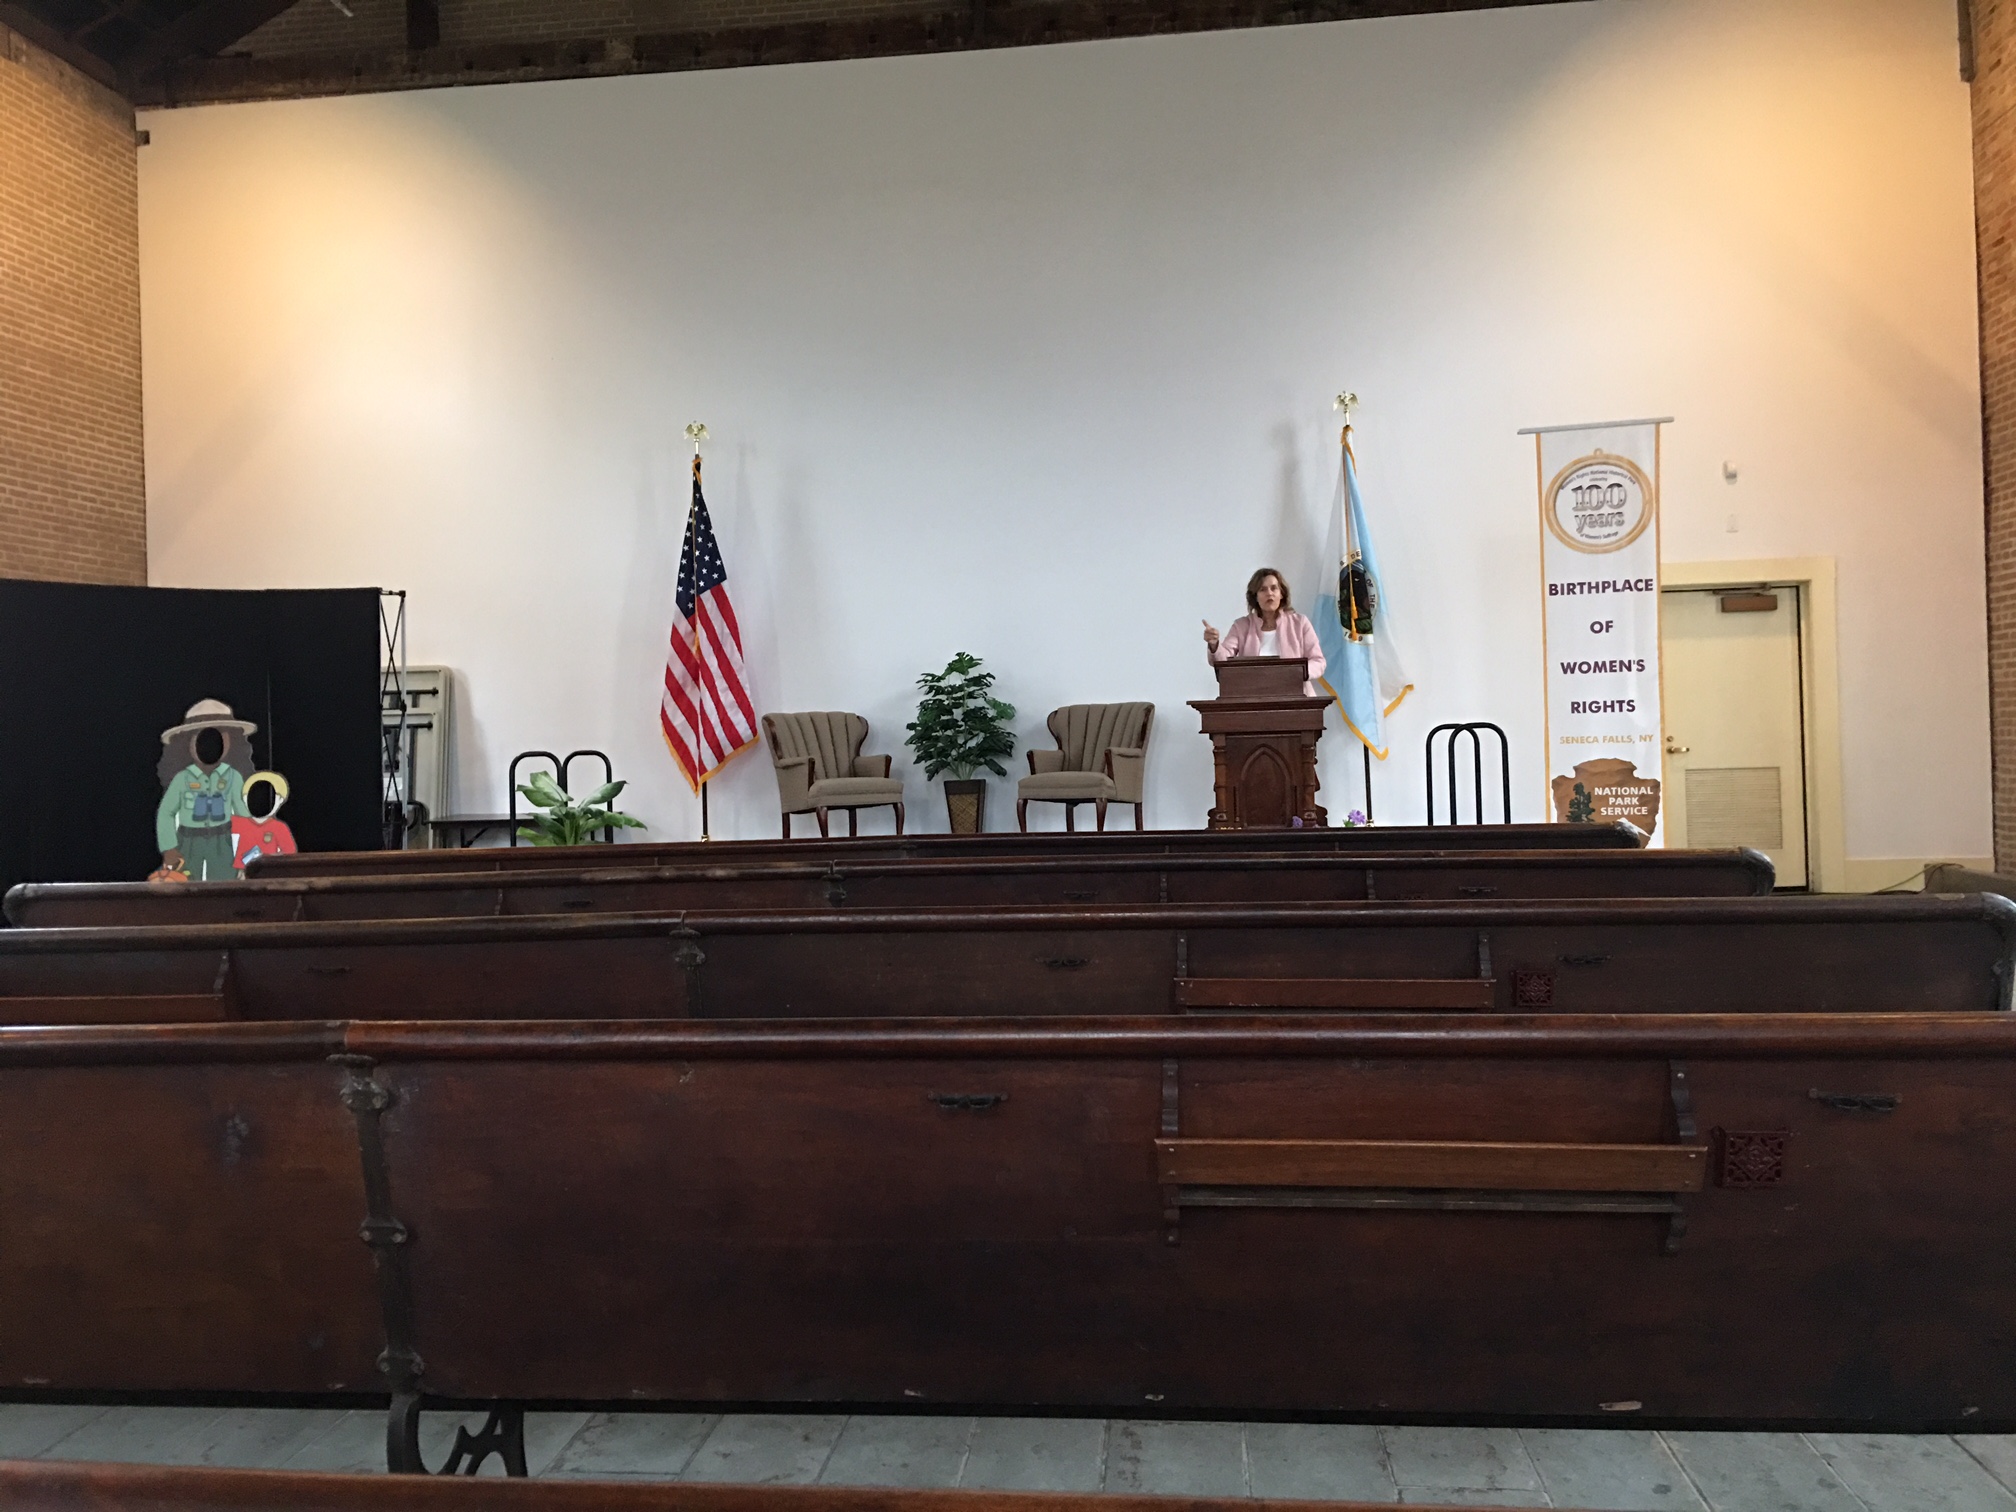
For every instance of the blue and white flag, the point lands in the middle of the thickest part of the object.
(1354, 622)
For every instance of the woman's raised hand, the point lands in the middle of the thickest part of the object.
(1210, 635)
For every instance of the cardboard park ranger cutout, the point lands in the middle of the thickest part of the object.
(204, 763)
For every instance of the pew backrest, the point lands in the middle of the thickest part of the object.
(1362, 840)
(1240, 877)
(180, 1212)
(1899, 954)
(1507, 1216)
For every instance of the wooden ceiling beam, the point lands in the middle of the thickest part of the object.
(27, 24)
(423, 25)
(961, 27)
(204, 29)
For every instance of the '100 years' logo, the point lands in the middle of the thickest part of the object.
(1599, 503)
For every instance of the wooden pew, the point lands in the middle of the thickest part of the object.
(1244, 877)
(1361, 841)
(1909, 953)
(1776, 1218)
(44, 1486)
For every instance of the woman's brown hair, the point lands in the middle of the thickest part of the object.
(1253, 590)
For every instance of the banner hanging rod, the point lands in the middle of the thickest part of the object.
(1542, 430)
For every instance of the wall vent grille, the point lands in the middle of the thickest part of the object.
(1735, 806)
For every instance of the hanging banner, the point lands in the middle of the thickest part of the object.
(1599, 584)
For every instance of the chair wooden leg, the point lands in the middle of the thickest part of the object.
(1071, 817)
(1022, 815)
(852, 830)
(822, 822)
(1137, 816)
(787, 824)
(899, 818)
(1100, 809)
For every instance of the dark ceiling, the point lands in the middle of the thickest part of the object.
(169, 52)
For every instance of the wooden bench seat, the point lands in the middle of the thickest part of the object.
(54, 1486)
(1797, 1219)
(1910, 953)
(1020, 881)
(1361, 841)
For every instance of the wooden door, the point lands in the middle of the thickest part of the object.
(1735, 738)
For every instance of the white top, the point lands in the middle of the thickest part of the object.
(1270, 642)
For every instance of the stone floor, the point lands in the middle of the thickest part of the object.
(1480, 1467)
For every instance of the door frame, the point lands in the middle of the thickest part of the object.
(1820, 680)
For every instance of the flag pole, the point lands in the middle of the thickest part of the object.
(1345, 404)
(696, 432)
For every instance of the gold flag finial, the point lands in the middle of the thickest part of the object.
(696, 433)
(1346, 402)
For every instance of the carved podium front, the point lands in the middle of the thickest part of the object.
(1263, 731)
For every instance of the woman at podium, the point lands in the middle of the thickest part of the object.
(1270, 628)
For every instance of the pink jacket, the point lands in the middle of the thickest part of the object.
(1295, 635)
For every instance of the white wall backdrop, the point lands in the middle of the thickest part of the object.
(1031, 353)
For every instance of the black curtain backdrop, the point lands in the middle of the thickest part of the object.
(90, 676)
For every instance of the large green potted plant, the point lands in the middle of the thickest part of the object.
(960, 728)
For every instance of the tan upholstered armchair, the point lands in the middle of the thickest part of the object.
(1101, 758)
(820, 767)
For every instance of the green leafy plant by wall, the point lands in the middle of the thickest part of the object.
(961, 726)
(567, 821)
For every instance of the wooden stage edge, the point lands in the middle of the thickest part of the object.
(56, 1486)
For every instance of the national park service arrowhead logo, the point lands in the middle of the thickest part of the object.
(1606, 790)
(1599, 503)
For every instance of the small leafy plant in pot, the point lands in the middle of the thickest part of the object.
(562, 820)
(960, 728)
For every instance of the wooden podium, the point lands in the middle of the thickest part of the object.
(1263, 731)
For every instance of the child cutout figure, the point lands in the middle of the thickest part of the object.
(204, 763)
(269, 836)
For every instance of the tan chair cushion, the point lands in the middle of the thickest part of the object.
(820, 765)
(1063, 787)
(855, 792)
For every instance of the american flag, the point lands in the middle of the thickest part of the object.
(706, 714)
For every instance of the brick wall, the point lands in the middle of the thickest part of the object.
(1995, 221)
(73, 501)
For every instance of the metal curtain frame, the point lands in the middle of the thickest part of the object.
(1477, 768)
(396, 797)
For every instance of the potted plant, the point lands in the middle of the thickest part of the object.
(566, 821)
(961, 727)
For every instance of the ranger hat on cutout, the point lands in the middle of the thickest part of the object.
(208, 714)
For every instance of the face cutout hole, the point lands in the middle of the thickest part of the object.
(264, 787)
(209, 746)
